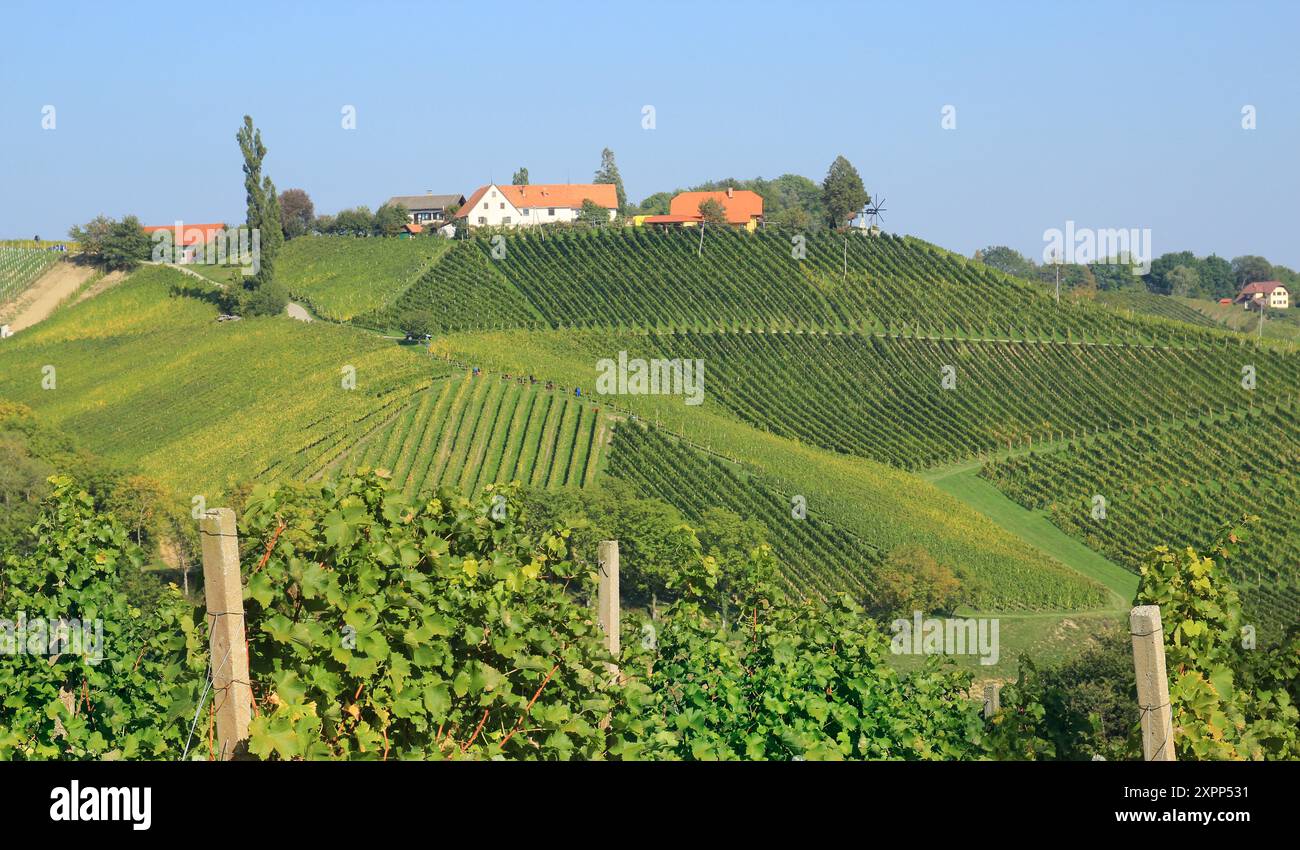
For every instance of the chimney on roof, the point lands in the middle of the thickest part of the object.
(729, 191)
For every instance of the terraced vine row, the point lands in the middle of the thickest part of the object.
(464, 291)
(20, 267)
(471, 431)
(1157, 305)
(1181, 483)
(884, 397)
(817, 556)
(734, 280)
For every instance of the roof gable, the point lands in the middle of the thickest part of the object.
(1263, 286)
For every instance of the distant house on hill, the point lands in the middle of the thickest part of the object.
(743, 207)
(409, 230)
(538, 203)
(427, 208)
(1264, 293)
(188, 240)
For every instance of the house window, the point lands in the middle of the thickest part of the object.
(524, 211)
(482, 219)
(503, 205)
(505, 220)
(485, 205)
(551, 211)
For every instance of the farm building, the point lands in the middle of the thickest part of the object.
(1264, 293)
(427, 208)
(744, 208)
(540, 203)
(188, 240)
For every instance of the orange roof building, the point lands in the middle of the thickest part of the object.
(545, 203)
(190, 234)
(743, 207)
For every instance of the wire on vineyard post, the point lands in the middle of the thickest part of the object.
(1152, 683)
(607, 598)
(223, 593)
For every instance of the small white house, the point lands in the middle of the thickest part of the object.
(525, 206)
(5, 332)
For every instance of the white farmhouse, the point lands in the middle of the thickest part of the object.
(524, 206)
(1265, 293)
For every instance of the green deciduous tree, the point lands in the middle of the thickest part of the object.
(713, 212)
(1251, 268)
(390, 219)
(520, 177)
(297, 213)
(1183, 281)
(593, 213)
(1007, 260)
(127, 245)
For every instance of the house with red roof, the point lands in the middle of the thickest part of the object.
(494, 205)
(743, 208)
(1264, 293)
(188, 241)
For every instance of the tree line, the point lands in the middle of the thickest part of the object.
(1179, 273)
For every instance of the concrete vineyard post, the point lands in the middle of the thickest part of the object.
(224, 596)
(1152, 683)
(992, 700)
(607, 604)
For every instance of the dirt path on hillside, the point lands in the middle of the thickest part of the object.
(101, 286)
(40, 299)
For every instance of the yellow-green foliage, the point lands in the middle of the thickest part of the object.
(341, 277)
(155, 381)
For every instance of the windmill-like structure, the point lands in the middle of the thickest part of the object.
(871, 215)
(874, 211)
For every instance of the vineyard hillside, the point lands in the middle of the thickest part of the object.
(470, 431)
(726, 280)
(148, 377)
(341, 277)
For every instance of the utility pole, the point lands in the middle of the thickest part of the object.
(1056, 261)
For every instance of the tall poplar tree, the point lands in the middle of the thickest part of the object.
(263, 203)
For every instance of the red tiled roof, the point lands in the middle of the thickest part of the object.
(191, 234)
(570, 195)
(742, 206)
(413, 228)
(1262, 286)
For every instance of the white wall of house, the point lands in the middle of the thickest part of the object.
(495, 210)
(1279, 298)
(529, 216)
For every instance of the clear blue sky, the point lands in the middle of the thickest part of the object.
(1110, 114)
